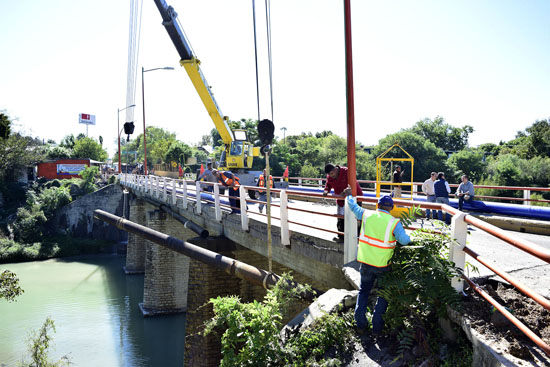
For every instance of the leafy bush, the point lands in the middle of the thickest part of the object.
(39, 344)
(52, 199)
(88, 179)
(9, 286)
(29, 225)
(50, 247)
(112, 179)
(251, 335)
(418, 290)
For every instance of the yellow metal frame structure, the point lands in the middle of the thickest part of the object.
(396, 212)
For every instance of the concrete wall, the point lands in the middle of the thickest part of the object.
(77, 219)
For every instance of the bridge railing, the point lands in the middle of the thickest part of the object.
(370, 185)
(168, 190)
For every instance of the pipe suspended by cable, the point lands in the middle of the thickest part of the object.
(231, 266)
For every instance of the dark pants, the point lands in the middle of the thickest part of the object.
(443, 200)
(461, 201)
(235, 203)
(368, 277)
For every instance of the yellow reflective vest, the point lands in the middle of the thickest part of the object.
(376, 240)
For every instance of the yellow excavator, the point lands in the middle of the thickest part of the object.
(238, 152)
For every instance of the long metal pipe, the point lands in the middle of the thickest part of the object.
(186, 222)
(531, 335)
(231, 266)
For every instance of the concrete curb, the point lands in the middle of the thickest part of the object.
(517, 224)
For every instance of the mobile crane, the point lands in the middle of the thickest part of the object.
(238, 152)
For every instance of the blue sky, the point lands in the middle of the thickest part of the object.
(483, 63)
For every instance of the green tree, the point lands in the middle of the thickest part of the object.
(68, 142)
(178, 152)
(89, 148)
(469, 162)
(535, 140)
(59, 153)
(5, 126)
(9, 286)
(443, 135)
(18, 152)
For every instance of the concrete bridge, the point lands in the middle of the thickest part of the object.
(301, 243)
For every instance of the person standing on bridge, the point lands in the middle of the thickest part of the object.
(231, 181)
(380, 233)
(442, 191)
(428, 189)
(337, 179)
(398, 179)
(263, 193)
(208, 176)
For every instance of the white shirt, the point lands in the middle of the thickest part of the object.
(428, 187)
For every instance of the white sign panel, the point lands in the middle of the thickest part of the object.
(86, 119)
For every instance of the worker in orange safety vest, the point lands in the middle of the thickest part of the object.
(263, 193)
(231, 181)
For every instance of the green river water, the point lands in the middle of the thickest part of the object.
(95, 309)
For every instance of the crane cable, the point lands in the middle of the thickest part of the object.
(267, 180)
(256, 57)
(134, 33)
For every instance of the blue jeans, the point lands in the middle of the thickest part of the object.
(368, 277)
(443, 200)
(263, 198)
(430, 213)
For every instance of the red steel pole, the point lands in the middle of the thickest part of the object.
(144, 131)
(349, 100)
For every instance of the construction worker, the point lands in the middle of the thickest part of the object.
(263, 193)
(231, 181)
(380, 232)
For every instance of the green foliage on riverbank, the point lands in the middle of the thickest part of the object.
(251, 332)
(50, 247)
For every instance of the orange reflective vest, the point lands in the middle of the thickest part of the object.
(376, 241)
(261, 182)
(228, 181)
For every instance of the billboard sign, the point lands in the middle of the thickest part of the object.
(86, 119)
(70, 169)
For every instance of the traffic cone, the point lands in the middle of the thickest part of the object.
(202, 169)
